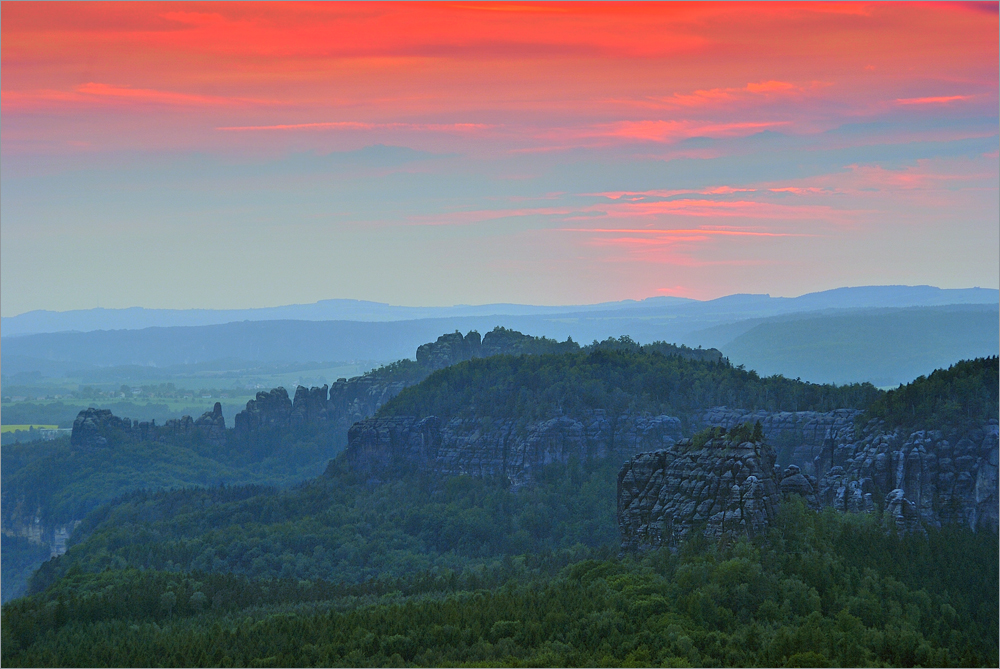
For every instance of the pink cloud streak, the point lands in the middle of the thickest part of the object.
(691, 233)
(359, 125)
(940, 100)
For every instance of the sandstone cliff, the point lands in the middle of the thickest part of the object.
(916, 479)
(718, 488)
(386, 446)
(351, 400)
(798, 437)
(933, 477)
(337, 407)
(99, 428)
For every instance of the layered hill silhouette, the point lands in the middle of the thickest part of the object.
(884, 335)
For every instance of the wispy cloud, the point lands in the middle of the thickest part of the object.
(691, 247)
(360, 125)
(758, 91)
(689, 234)
(657, 131)
(669, 131)
(94, 93)
(938, 100)
(149, 95)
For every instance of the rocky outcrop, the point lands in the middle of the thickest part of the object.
(915, 479)
(93, 426)
(797, 436)
(941, 476)
(382, 447)
(212, 424)
(337, 407)
(719, 488)
(793, 482)
(350, 400)
(268, 410)
(450, 349)
(99, 428)
(901, 513)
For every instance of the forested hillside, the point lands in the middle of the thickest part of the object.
(818, 590)
(622, 377)
(966, 392)
(343, 528)
(354, 569)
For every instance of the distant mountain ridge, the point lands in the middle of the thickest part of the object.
(846, 335)
(749, 305)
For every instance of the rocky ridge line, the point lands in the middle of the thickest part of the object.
(99, 428)
(382, 447)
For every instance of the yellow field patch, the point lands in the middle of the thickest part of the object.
(13, 428)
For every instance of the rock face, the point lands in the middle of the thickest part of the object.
(269, 410)
(450, 349)
(212, 424)
(935, 476)
(333, 408)
(387, 446)
(916, 479)
(99, 428)
(902, 513)
(351, 400)
(719, 488)
(797, 436)
(348, 401)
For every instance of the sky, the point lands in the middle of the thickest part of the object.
(202, 155)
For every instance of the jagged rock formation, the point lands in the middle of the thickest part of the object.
(933, 476)
(350, 400)
(335, 407)
(270, 409)
(387, 446)
(721, 487)
(212, 424)
(450, 349)
(99, 428)
(794, 482)
(916, 479)
(797, 436)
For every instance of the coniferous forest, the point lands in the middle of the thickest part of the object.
(417, 569)
(821, 589)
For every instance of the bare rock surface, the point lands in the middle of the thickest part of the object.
(719, 488)
(385, 446)
(99, 428)
(797, 436)
(942, 476)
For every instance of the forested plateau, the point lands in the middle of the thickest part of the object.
(471, 508)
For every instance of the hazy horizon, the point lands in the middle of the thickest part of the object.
(665, 298)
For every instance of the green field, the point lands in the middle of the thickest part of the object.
(15, 428)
